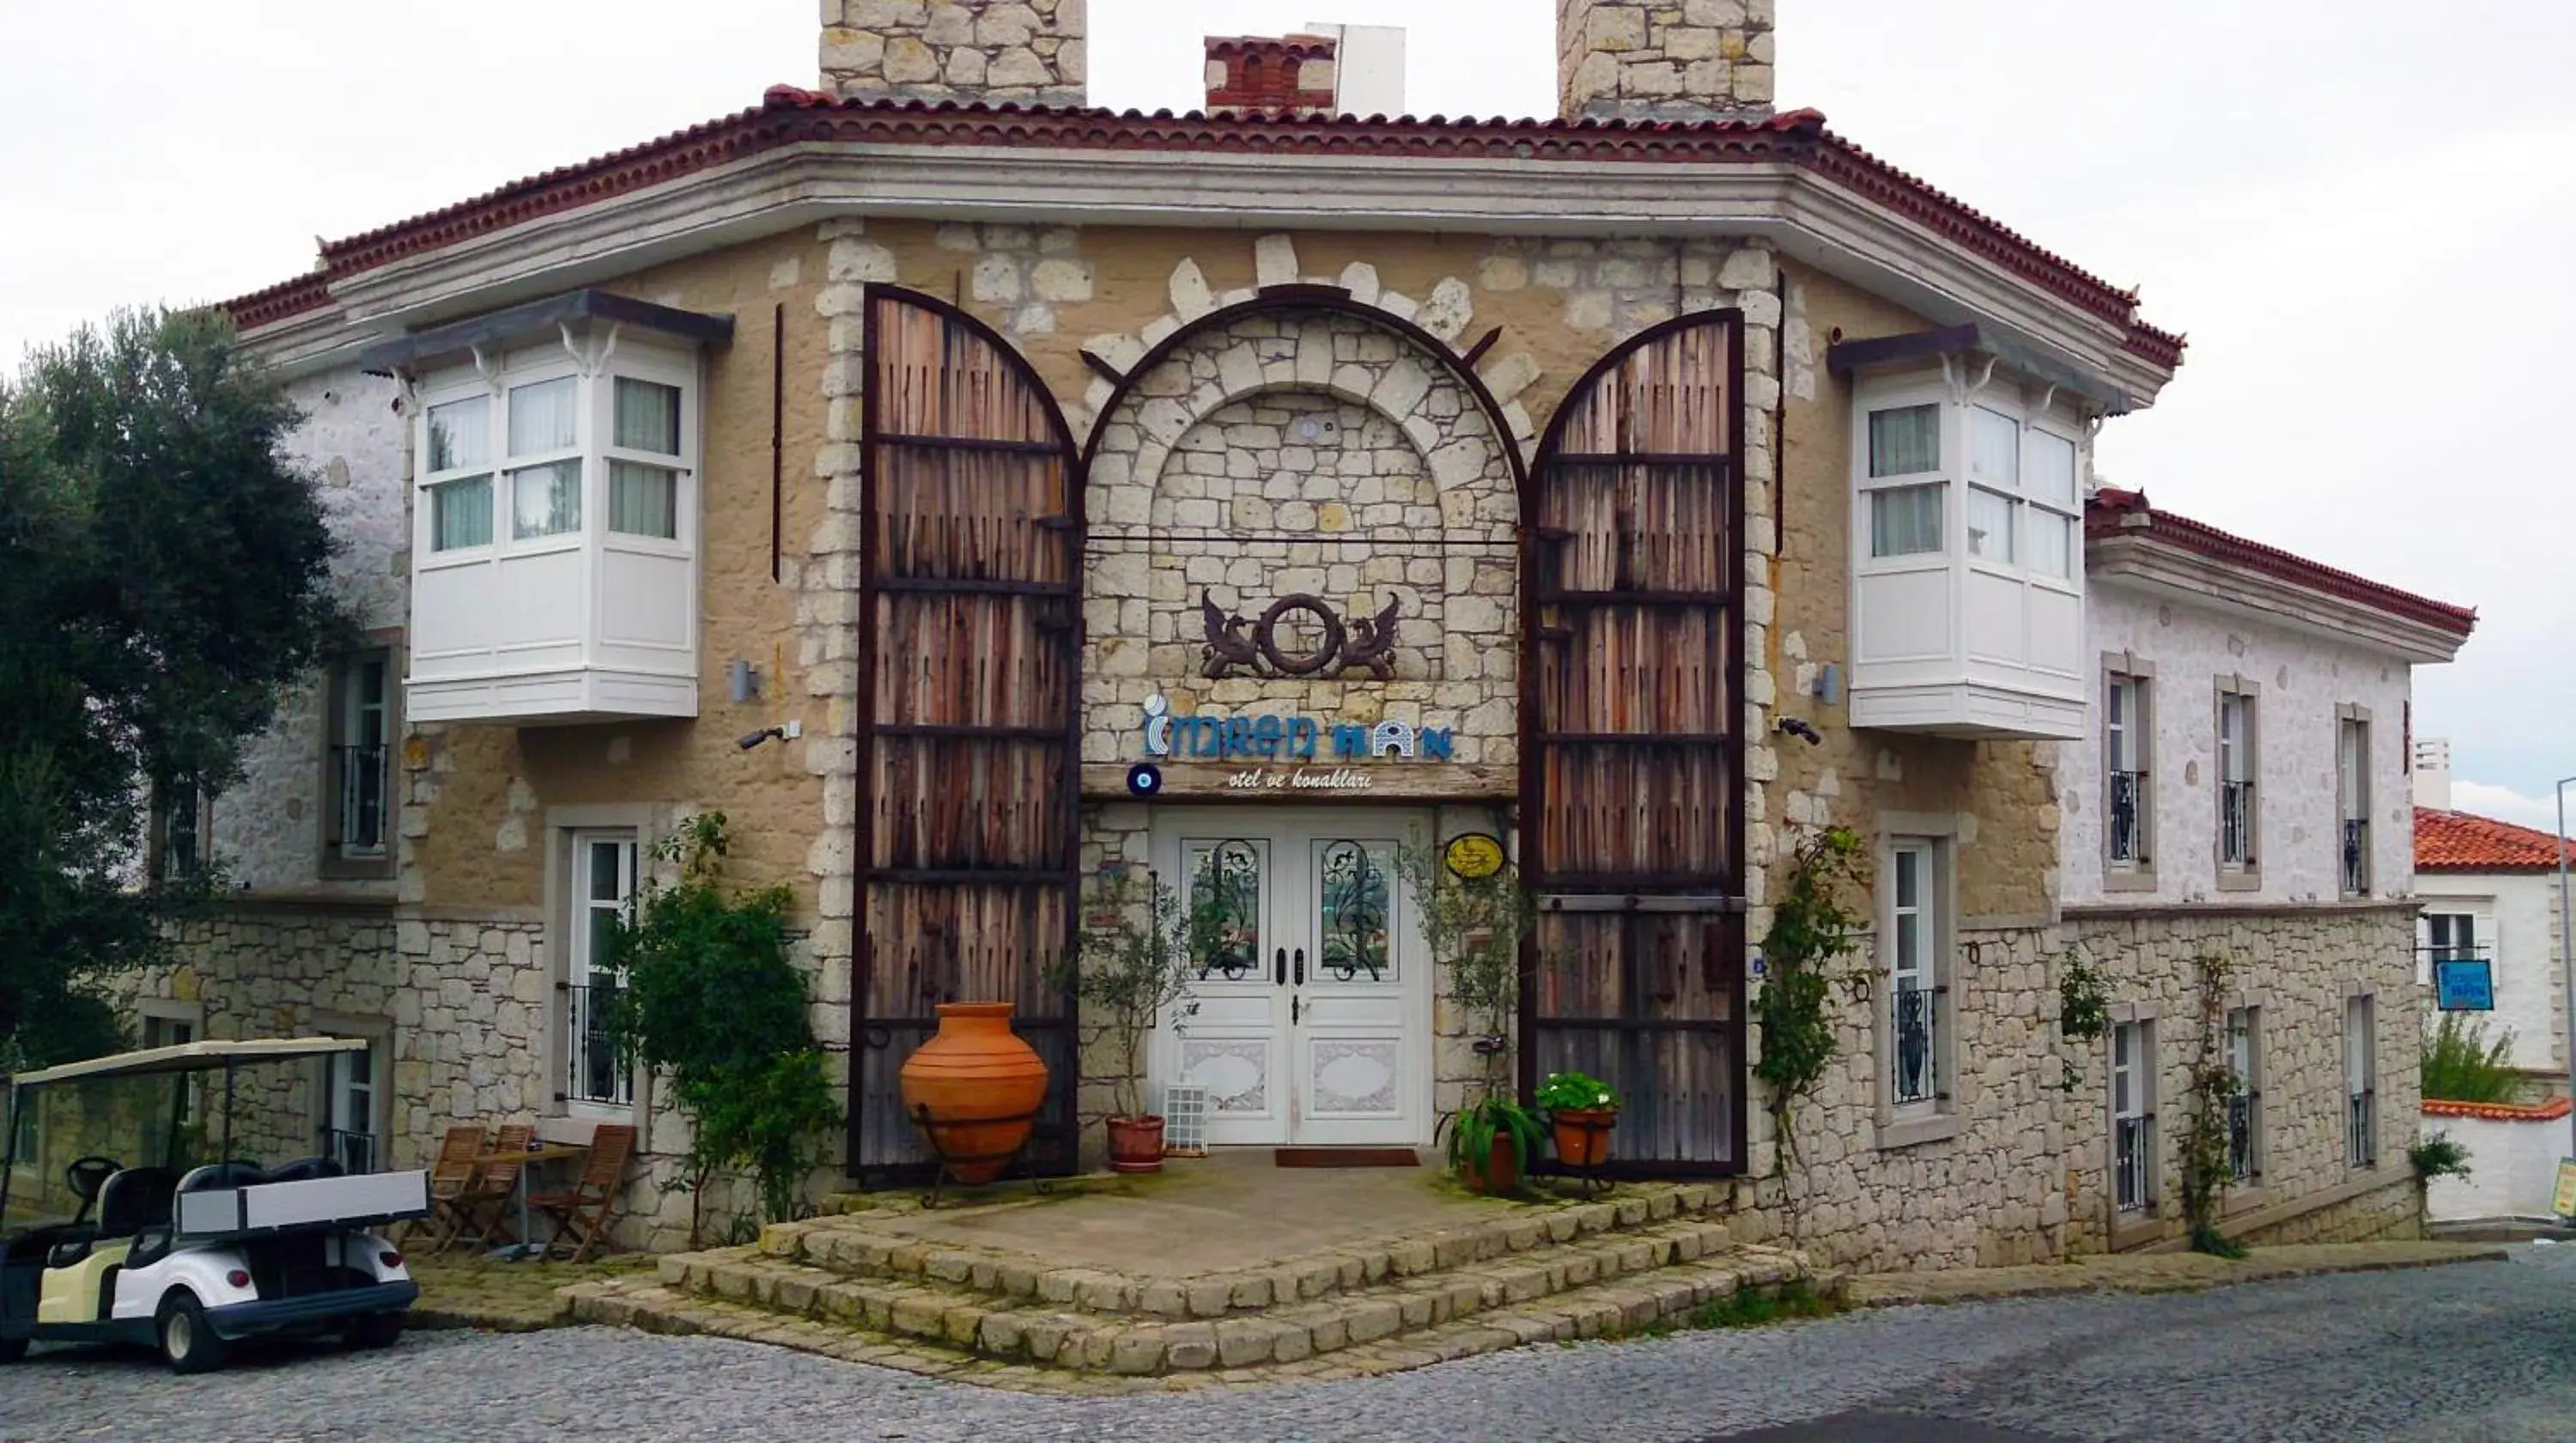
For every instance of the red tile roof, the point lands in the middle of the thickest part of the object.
(2113, 512)
(790, 116)
(2460, 842)
(2553, 1109)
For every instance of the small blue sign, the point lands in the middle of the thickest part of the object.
(1287, 738)
(2465, 986)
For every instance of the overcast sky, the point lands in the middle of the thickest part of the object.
(2359, 210)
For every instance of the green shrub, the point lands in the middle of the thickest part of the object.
(2460, 1065)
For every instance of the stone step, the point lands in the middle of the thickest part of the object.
(1621, 1269)
(1353, 1336)
(1678, 1219)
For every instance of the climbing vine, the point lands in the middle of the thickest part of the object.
(2214, 1088)
(2083, 1012)
(1813, 926)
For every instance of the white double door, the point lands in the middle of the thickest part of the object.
(1313, 1020)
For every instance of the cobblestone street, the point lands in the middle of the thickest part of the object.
(2473, 1352)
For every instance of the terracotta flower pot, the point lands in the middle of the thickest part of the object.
(1583, 1135)
(1135, 1144)
(983, 1086)
(1500, 1170)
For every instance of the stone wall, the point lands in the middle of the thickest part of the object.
(1667, 61)
(1028, 51)
(2389, 1213)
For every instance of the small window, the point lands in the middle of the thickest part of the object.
(2126, 749)
(2049, 470)
(1990, 525)
(460, 514)
(2352, 803)
(1994, 447)
(603, 886)
(349, 1133)
(184, 818)
(545, 500)
(460, 435)
(2053, 547)
(2236, 795)
(2245, 1110)
(359, 781)
(2133, 1116)
(1905, 520)
(2361, 1084)
(1918, 994)
(1905, 441)
(545, 417)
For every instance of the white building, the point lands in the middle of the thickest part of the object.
(2490, 893)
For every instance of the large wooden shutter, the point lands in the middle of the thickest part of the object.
(1633, 751)
(969, 773)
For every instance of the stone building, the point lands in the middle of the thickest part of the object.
(967, 491)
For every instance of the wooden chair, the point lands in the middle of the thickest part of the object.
(581, 1211)
(490, 1200)
(448, 1178)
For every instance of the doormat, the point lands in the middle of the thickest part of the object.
(1347, 1157)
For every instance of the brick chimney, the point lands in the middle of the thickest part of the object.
(1024, 51)
(1696, 60)
(1289, 75)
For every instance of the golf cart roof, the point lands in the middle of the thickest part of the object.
(192, 1057)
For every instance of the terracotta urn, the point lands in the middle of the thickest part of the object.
(1499, 1172)
(983, 1087)
(1583, 1135)
(1135, 1144)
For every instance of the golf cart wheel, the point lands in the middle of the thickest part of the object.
(375, 1330)
(186, 1342)
(12, 1349)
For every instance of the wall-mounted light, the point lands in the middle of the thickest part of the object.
(743, 681)
(787, 733)
(1802, 731)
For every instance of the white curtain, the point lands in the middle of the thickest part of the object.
(460, 514)
(460, 434)
(2052, 543)
(1994, 447)
(1905, 441)
(2052, 468)
(648, 417)
(545, 417)
(1905, 520)
(643, 500)
(1990, 524)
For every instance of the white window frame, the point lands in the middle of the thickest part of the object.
(169, 1022)
(1920, 976)
(2361, 1080)
(1943, 476)
(2136, 1077)
(570, 1044)
(2238, 760)
(2353, 803)
(1929, 840)
(593, 364)
(341, 857)
(2245, 1058)
(2129, 736)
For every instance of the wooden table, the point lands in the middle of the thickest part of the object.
(528, 1161)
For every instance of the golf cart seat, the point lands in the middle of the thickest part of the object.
(130, 1201)
(304, 1169)
(153, 1240)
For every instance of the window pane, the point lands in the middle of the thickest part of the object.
(1994, 447)
(543, 417)
(1905, 520)
(460, 434)
(643, 500)
(648, 417)
(1905, 441)
(545, 500)
(1990, 525)
(2052, 468)
(460, 514)
(606, 875)
(2051, 539)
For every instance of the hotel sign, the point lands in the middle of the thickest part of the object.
(1271, 737)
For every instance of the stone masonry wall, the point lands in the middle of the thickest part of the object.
(1028, 51)
(1669, 61)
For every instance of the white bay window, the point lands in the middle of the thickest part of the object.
(555, 572)
(1968, 591)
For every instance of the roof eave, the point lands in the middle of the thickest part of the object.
(2144, 559)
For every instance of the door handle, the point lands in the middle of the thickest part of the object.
(1279, 968)
(1301, 966)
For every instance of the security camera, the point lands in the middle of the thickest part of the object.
(762, 735)
(1802, 731)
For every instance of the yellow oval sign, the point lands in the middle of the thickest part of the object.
(1475, 855)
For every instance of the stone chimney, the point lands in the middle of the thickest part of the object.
(1291, 75)
(2433, 773)
(1691, 60)
(1024, 51)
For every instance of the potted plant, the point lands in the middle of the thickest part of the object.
(1582, 1109)
(1475, 926)
(1135, 960)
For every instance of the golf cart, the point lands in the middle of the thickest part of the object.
(128, 1215)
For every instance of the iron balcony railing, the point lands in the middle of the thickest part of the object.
(2356, 855)
(361, 814)
(2236, 823)
(2361, 1115)
(1918, 1044)
(2242, 1110)
(591, 1069)
(2133, 1166)
(355, 1152)
(2128, 817)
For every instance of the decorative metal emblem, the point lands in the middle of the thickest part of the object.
(1363, 644)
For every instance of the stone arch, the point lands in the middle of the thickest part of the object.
(1404, 481)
